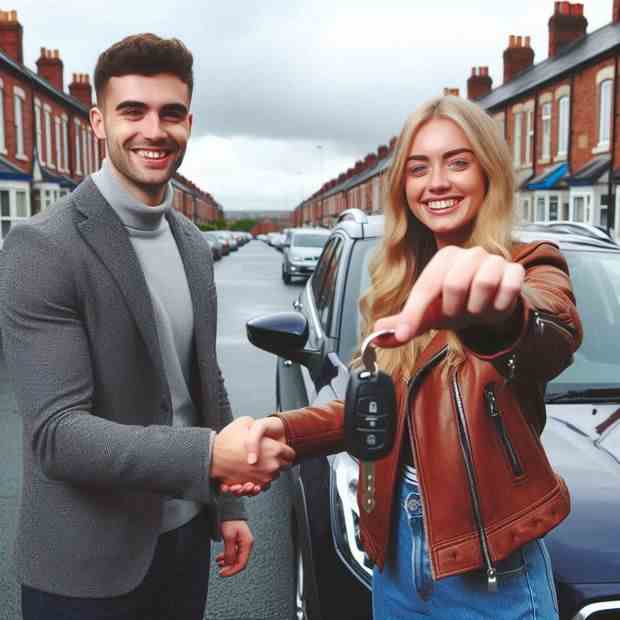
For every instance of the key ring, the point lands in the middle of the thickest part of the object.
(369, 357)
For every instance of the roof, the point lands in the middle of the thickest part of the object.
(42, 83)
(10, 172)
(581, 51)
(552, 178)
(591, 172)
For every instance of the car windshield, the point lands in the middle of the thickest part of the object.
(596, 282)
(309, 240)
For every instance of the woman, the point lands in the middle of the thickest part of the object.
(453, 517)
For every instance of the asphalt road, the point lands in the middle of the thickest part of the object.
(249, 284)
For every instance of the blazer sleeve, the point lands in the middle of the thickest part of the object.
(47, 355)
(545, 329)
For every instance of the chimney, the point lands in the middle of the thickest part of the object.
(80, 89)
(518, 56)
(451, 91)
(11, 36)
(566, 25)
(616, 12)
(50, 68)
(479, 83)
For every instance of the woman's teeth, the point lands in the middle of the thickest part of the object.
(440, 205)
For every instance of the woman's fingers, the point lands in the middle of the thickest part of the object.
(510, 287)
(485, 284)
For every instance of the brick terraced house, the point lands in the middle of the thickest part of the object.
(561, 118)
(46, 143)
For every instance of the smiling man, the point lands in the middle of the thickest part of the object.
(108, 312)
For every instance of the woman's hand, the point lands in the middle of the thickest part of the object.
(458, 288)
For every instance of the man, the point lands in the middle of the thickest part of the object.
(109, 325)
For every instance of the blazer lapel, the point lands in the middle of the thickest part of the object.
(104, 232)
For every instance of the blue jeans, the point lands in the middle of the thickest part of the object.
(405, 589)
(174, 588)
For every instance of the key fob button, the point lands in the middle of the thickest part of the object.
(372, 422)
(369, 405)
(373, 440)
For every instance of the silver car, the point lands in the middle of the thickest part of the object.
(301, 252)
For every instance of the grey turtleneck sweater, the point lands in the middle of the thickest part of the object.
(154, 244)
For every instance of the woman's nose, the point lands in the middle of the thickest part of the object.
(438, 181)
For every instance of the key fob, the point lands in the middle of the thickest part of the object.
(369, 410)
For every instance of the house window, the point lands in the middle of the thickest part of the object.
(563, 125)
(38, 130)
(578, 209)
(529, 136)
(517, 138)
(65, 143)
(14, 206)
(525, 210)
(96, 145)
(85, 159)
(89, 141)
(546, 130)
(604, 118)
(604, 210)
(78, 155)
(58, 144)
(553, 208)
(540, 209)
(2, 137)
(48, 135)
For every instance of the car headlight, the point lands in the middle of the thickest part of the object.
(296, 259)
(345, 517)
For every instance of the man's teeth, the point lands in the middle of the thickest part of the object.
(439, 205)
(153, 154)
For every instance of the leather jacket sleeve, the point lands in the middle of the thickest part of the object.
(316, 430)
(547, 329)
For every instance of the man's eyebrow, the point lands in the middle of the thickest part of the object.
(175, 107)
(130, 104)
(446, 155)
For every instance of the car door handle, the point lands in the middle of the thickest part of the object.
(298, 305)
(287, 363)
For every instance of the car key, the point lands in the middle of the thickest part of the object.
(370, 407)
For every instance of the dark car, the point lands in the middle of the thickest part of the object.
(217, 247)
(582, 435)
(301, 250)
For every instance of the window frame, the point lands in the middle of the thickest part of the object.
(12, 188)
(546, 113)
(563, 126)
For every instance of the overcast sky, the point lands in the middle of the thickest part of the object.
(289, 93)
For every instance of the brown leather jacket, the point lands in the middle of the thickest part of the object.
(485, 481)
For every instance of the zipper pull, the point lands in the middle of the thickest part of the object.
(491, 579)
(492, 403)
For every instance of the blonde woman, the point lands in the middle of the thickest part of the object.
(481, 324)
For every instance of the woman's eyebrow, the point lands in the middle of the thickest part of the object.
(446, 155)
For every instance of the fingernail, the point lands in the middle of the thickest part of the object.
(252, 458)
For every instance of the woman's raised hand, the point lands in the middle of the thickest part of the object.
(458, 288)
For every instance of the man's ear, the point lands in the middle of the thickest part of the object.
(96, 121)
(190, 120)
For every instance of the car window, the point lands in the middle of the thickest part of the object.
(325, 298)
(305, 240)
(321, 267)
(596, 284)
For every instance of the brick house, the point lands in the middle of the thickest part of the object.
(560, 117)
(47, 145)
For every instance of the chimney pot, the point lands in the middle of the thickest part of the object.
(11, 36)
(519, 41)
(517, 58)
(566, 25)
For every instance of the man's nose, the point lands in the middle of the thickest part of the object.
(152, 127)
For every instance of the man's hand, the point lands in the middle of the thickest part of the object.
(231, 464)
(262, 430)
(458, 288)
(238, 543)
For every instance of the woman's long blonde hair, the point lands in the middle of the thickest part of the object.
(408, 245)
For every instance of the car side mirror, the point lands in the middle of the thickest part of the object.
(282, 333)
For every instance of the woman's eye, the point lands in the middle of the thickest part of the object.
(459, 164)
(417, 171)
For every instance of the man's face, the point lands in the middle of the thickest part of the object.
(146, 123)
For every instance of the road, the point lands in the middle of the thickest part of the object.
(249, 284)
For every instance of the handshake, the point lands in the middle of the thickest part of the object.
(249, 454)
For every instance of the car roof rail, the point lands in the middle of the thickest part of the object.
(589, 230)
(357, 215)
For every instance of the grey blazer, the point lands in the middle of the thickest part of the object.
(99, 452)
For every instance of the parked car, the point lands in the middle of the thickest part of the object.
(227, 236)
(301, 250)
(582, 435)
(216, 245)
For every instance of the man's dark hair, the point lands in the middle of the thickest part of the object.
(144, 54)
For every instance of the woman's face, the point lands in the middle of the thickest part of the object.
(444, 181)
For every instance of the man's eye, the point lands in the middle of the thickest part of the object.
(132, 112)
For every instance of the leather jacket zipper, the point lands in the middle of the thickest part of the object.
(473, 490)
(496, 415)
(412, 384)
(542, 318)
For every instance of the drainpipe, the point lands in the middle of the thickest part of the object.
(611, 206)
